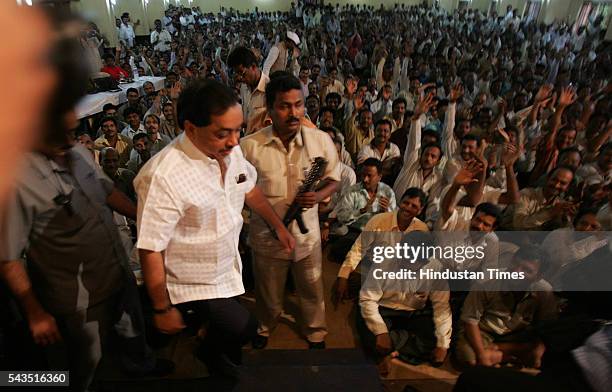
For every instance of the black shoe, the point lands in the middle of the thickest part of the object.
(316, 345)
(162, 368)
(259, 342)
(218, 364)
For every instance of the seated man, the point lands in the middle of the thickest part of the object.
(141, 146)
(395, 315)
(403, 220)
(380, 147)
(132, 116)
(122, 178)
(112, 69)
(111, 138)
(499, 316)
(544, 207)
(361, 201)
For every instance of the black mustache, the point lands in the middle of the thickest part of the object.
(292, 119)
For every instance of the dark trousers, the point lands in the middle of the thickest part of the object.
(411, 332)
(228, 326)
(566, 377)
(114, 327)
(340, 246)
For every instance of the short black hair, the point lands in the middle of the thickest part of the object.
(326, 109)
(383, 121)
(107, 119)
(280, 82)
(397, 101)
(108, 106)
(129, 111)
(469, 137)
(241, 56)
(373, 162)
(489, 209)
(432, 133)
(138, 136)
(413, 192)
(532, 253)
(585, 211)
(202, 99)
(333, 96)
(432, 145)
(132, 90)
(571, 149)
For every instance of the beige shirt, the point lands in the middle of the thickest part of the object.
(355, 138)
(500, 313)
(531, 212)
(123, 147)
(382, 222)
(280, 172)
(254, 105)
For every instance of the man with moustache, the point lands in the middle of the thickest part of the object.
(190, 199)
(282, 153)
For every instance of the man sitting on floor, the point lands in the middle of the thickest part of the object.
(360, 202)
(498, 325)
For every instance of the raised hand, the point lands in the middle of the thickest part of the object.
(544, 92)
(468, 173)
(456, 93)
(423, 105)
(358, 102)
(351, 86)
(510, 154)
(175, 91)
(567, 97)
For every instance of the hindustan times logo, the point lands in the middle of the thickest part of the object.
(412, 253)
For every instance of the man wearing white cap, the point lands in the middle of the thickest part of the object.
(284, 56)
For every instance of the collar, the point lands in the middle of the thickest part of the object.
(263, 82)
(191, 150)
(272, 138)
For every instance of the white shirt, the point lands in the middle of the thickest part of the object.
(367, 151)
(126, 33)
(161, 39)
(196, 222)
(129, 132)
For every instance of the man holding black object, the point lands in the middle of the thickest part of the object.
(191, 196)
(282, 153)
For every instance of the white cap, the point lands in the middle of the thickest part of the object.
(293, 37)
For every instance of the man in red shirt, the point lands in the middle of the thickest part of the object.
(113, 70)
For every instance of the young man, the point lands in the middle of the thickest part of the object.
(496, 324)
(281, 154)
(360, 203)
(189, 228)
(380, 147)
(252, 89)
(141, 146)
(111, 138)
(112, 69)
(133, 117)
(402, 220)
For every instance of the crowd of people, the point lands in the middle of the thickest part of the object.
(428, 120)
